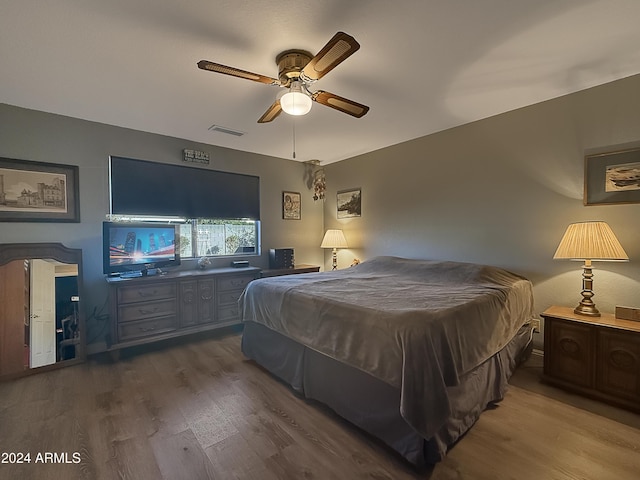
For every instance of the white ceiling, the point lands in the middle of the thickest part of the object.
(423, 65)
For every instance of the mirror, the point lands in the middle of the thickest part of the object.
(41, 322)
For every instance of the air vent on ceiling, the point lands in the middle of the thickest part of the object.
(227, 130)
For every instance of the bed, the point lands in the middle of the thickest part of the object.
(411, 351)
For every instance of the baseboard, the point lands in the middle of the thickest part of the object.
(538, 352)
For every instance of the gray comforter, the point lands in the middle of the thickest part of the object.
(418, 325)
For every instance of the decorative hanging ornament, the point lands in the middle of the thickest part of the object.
(319, 185)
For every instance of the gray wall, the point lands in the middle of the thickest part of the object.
(37, 136)
(500, 191)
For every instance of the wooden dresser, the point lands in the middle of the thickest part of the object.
(148, 309)
(596, 356)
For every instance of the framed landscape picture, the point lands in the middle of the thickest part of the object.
(349, 203)
(38, 192)
(612, 178)
(291, 205)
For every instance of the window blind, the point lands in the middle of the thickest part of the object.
(140, 187)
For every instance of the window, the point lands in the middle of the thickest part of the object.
(210, 237)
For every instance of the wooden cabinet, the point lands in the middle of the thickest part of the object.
(147, 309)
(618, 374)
(197, 301)
(14, 317)
(595, 356)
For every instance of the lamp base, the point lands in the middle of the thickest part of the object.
(588, 310)
(586, 305)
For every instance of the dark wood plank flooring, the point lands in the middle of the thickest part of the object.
(200, 410)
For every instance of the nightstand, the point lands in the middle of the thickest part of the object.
(300, 268)
(595, 356)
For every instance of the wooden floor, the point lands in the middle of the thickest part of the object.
(200, 410)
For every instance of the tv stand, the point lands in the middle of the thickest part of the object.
(151, 308)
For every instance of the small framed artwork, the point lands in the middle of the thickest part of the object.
(612, 178)
(349, 203)
(291, 205)
(38, 192)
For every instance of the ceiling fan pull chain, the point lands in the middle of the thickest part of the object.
(294, 138)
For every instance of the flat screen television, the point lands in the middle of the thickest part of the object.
(135, 249)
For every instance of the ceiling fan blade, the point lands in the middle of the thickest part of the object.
(338, 49)
(272, 112)
(236, 72)
(342, 104)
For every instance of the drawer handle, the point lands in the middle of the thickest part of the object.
(569, 346)
(144, 294)
(148, 312)
(187, 298)
(147, 329)
(622, 359)
(237, 282)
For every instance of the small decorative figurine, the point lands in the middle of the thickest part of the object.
(203, 262)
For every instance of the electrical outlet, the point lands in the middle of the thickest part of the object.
(535, 323)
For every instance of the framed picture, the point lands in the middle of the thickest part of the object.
(291, 205)
(349, 203)
(38, 192)
(612, 178)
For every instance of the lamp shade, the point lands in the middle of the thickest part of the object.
(334, 239)
(590, 241)
(295, 101)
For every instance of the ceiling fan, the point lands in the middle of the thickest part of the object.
(297, 71)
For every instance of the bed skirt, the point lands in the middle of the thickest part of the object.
(374, 405)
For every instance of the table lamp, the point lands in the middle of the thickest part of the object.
(334, 239)
(589, 241)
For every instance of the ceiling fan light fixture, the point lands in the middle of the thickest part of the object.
(296, 101)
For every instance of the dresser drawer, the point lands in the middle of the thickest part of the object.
(146, 328)
(144, 293)
(228, 313)
(229, 298)
(570, 352)
(234, 283)
(140, 311)
(619, 368)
